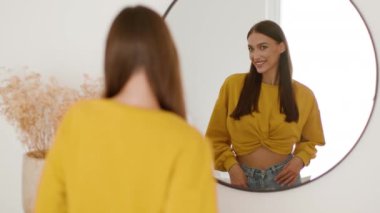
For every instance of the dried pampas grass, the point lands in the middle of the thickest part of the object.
(35, 106)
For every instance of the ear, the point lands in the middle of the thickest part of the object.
(282, 47)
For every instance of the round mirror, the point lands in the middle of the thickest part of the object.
(332, 54)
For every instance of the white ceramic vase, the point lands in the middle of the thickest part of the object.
(31, 173)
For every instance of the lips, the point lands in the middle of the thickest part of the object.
(259, 63)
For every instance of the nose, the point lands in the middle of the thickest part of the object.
(253, 55)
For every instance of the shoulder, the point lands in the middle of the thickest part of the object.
(94, 111)
(234, 81)
(72, 117)
(179, 127)
(237, 77)
(301, 89)
(163, 123)
(304, 94)
(85, 106)
(177, 132)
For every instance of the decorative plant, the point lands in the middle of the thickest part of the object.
(35, 106)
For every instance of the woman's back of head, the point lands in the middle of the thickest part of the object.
(139, 38)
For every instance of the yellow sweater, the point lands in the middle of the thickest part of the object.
(110, 158)
(266, 128)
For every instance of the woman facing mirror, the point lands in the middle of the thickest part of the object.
(106, 149)
(265, 126)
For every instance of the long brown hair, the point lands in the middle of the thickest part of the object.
(249, 96)
(139, 37)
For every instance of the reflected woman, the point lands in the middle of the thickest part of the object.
(265, 126)
(131, 151)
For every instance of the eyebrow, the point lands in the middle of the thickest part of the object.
(259, 44)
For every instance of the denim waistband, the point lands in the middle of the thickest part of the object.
(273, 169)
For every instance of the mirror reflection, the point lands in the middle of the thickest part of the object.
(265, 126)
(332, 56)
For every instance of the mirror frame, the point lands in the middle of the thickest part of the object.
(170, 7)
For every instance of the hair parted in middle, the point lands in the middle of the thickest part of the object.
(249, 96)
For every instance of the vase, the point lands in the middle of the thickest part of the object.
(31, 173)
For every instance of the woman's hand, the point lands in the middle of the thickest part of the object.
(289, 174)
(237, 176)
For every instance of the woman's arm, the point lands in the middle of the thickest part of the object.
(311, 136)
(51, 196)
(217, 132)
(305, 150)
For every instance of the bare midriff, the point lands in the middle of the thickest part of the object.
(262, 158)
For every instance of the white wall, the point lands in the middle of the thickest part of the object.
(351, 187)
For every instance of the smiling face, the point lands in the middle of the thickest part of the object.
(264, 53)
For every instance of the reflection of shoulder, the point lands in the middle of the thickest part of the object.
(84, 106)
(301, 89)
(235, 79)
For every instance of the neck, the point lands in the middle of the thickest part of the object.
(138, 92)
(269, 78)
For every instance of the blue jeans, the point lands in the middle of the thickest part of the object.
(264, 180)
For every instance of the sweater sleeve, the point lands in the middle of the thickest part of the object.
(217, 132)
(51, 195)
(311, 136)
(192, 187)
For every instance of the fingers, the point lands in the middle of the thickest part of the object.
(240, 182)
(237, 177)
(287, 177)
(240, 185)
(290, 181)
(287, 180)
(289, 174)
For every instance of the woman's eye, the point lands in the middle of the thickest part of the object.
(263, 47)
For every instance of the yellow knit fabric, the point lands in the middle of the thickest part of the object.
(111, 158)
(267, 128)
